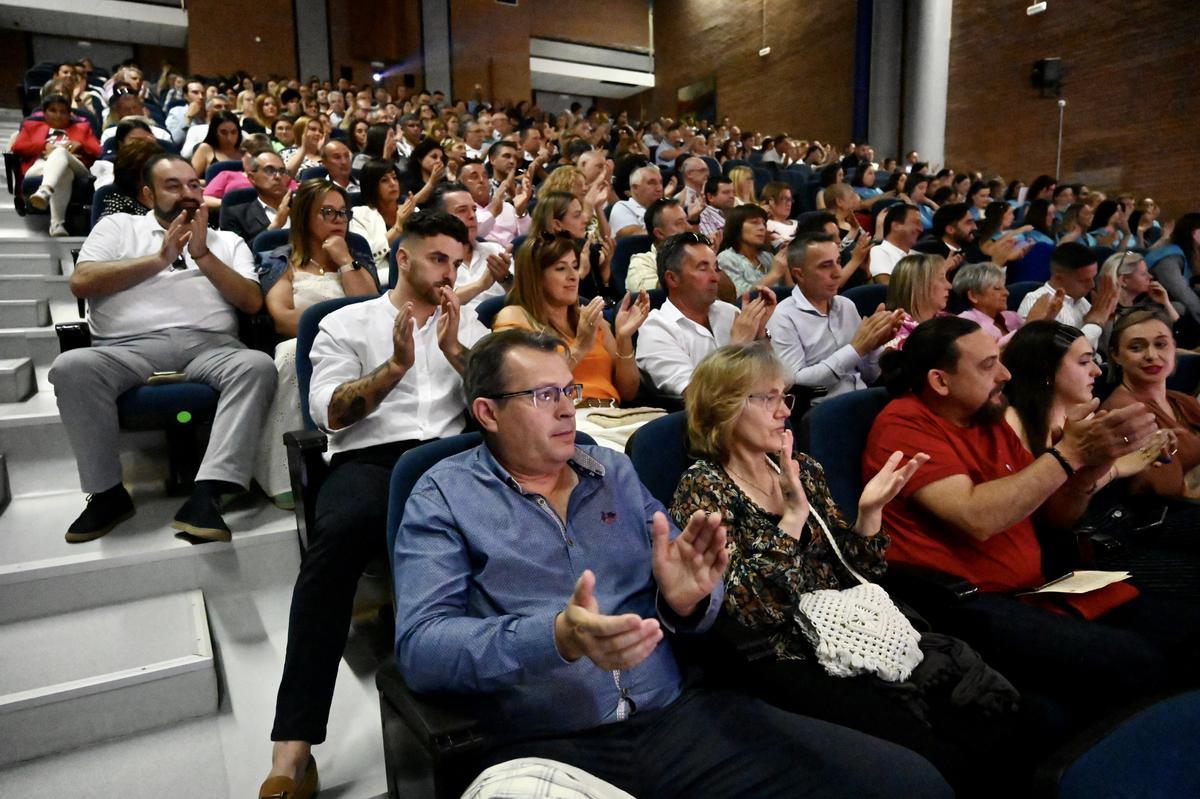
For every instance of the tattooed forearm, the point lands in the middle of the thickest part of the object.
(354, 401)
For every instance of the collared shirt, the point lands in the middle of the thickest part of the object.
(501, 229)
(1072, 313)
(670, 346)
(487, 566)
(270, 212)
(642, 274)
(1012, 321)
(884, 257)
(427, 403)
(816, 347)
(711, 220)
(171, 298)
(627, 213)
(472, 271)
(177, 124)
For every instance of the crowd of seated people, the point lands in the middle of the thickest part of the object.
(466, 203)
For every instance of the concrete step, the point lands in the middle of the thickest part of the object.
(24, 313)
(71, 680)
(45, 287)
(29, 263)
(38, 343)
(17, 380)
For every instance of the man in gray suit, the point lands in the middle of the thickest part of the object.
(269, 210)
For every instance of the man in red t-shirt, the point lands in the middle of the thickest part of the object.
(969, 512)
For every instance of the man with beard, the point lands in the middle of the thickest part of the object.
(386, 377)
(969, 513)
(954, 229)
(162, 290)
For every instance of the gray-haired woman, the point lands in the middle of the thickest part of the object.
(982, 286)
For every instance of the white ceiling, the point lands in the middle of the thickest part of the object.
(113, 20)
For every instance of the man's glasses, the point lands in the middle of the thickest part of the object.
(546, 396)
(273, 171)
(771, 402)
(329, 213)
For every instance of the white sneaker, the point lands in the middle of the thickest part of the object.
(59, 229)
(40, 199)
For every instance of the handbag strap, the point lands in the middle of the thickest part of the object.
(833, 545)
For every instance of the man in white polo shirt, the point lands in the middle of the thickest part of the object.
(629, 216)
(693, 322)
(901, 228)
(161, 292)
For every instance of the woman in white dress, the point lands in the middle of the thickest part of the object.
(380, 216)
(315, 265)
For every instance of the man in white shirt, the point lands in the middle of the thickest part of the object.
(1073, 270)
(628, 217)
(664, 218)
(817, 333)
(901, 229)
(473, 137)
(410, 135)
(162, 292)
(498, 219)
(695, 173)
(196, 133)
(779, 151)
(692, 322)
(386, 377)
(182, 117)
(337, 158)
(484, 271)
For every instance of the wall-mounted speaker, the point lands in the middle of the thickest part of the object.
(1048, 76)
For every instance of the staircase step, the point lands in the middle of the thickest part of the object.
(24, 313)
(29, 263)
(71, 680)
(17, 380)
(24, 287)
(38, 343)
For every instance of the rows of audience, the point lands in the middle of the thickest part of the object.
(535, 276)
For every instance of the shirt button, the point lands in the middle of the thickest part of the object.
(570, 542)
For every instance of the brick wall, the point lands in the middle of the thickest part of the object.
(393, 37)
(613, 23)
(1132, 105)
(221, 37)
(805, 86)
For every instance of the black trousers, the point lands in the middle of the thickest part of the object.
(351, 520)
(723, 744)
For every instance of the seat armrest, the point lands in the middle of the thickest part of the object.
(444, 723)
(73, 336)
(307, 470)
(921, 585)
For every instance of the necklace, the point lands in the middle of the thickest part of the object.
(752, 484)
(320, 266)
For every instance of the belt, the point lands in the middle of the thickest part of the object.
(596, 402)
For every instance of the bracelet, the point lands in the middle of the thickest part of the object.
(628, 357)
(1058, 456)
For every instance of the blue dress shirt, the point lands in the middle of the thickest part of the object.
(482, 569)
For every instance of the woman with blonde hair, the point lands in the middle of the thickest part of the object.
(920, 288)
(309, 134)
(743, 185)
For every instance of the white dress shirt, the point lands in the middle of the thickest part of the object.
(1072, 312)
(472, 271)
(427, 403)
(670, 346)
(191, 140)
(171, 298)
(816, 348)
(625, 214)
(368, 223)
(884, 257)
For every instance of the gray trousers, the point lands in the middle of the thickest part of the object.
(87, 382)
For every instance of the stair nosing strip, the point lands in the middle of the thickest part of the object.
(103, 683)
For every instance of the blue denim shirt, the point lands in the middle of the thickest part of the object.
(482, 568)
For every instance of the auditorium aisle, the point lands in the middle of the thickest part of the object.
(137, 665)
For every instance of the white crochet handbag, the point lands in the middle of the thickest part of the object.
(859, 629)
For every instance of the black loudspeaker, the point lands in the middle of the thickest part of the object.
(410, 80)
(1048, 75)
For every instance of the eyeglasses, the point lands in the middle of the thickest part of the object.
(273, 171)
(329, 213)
(546, 395)
(771, 402)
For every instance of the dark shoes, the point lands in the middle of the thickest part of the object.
(199, 520)
(104, 511)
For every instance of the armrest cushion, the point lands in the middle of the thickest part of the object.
(920, 585)
(306, 440)
(443, 722)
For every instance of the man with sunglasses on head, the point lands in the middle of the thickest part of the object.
(162, 290)
(386, 377)
(542, 577)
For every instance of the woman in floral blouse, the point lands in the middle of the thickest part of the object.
(737, 410)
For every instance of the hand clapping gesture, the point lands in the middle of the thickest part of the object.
(404, 351)
(590, 318)
(611, 642)
(689, 567)
(630, 315)
(883, 488)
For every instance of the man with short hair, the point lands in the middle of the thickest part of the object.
(664, 218)
(695, 173)
(473, 137)
(484, 271)
(818, 333)
(673, 146)
(498, 219)
(337, 158)
(337, 107)
(970, 510)
(901, 229)
(182, 117)
(127, 104)
(502, 158)
(533, 158)
(196, 133)
(411, 134)
(778, 154)
(628, 217)
(857, 158)
(491, 543)
(692, 323)
(386, 377)
(954, 229)
(270, 209)
(719, 199)
(1073, 273)
(162, 290)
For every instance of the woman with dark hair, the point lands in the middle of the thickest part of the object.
(426, 168)
(978, 197)
(1039, 218)
(777, 201)
(223, 142)
(746, 257)
(380, 142)
(1013, 192)
(896, 184)
(59, 147)
(1042, 188)
(379, 217)
(356, 140)
(864, 186)
(829, 175)
(917, 188)
(315, 265)
(1110, 226)
(1076, 224)
(127, 177)
(728, 151)
(1173, 264)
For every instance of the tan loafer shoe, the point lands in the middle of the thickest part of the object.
(286, 787)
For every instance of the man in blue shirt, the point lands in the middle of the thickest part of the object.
(544, 574)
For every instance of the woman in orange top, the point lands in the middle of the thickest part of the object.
(545, 298)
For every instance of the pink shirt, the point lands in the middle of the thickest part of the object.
(500, 229)
(1012, 321)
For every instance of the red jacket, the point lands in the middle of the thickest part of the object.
(31, 141)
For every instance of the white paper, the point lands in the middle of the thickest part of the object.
(1080, 582)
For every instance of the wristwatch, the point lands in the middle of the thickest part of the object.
(350, 267)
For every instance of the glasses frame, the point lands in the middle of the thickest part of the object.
(329, 213)
(786, 399)
(559, 393)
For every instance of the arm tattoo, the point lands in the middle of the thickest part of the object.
(353, 401)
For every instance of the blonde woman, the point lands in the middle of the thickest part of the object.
(743, 185)
(920, 288)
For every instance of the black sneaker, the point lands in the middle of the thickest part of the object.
(199, 520)
(104, 511)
